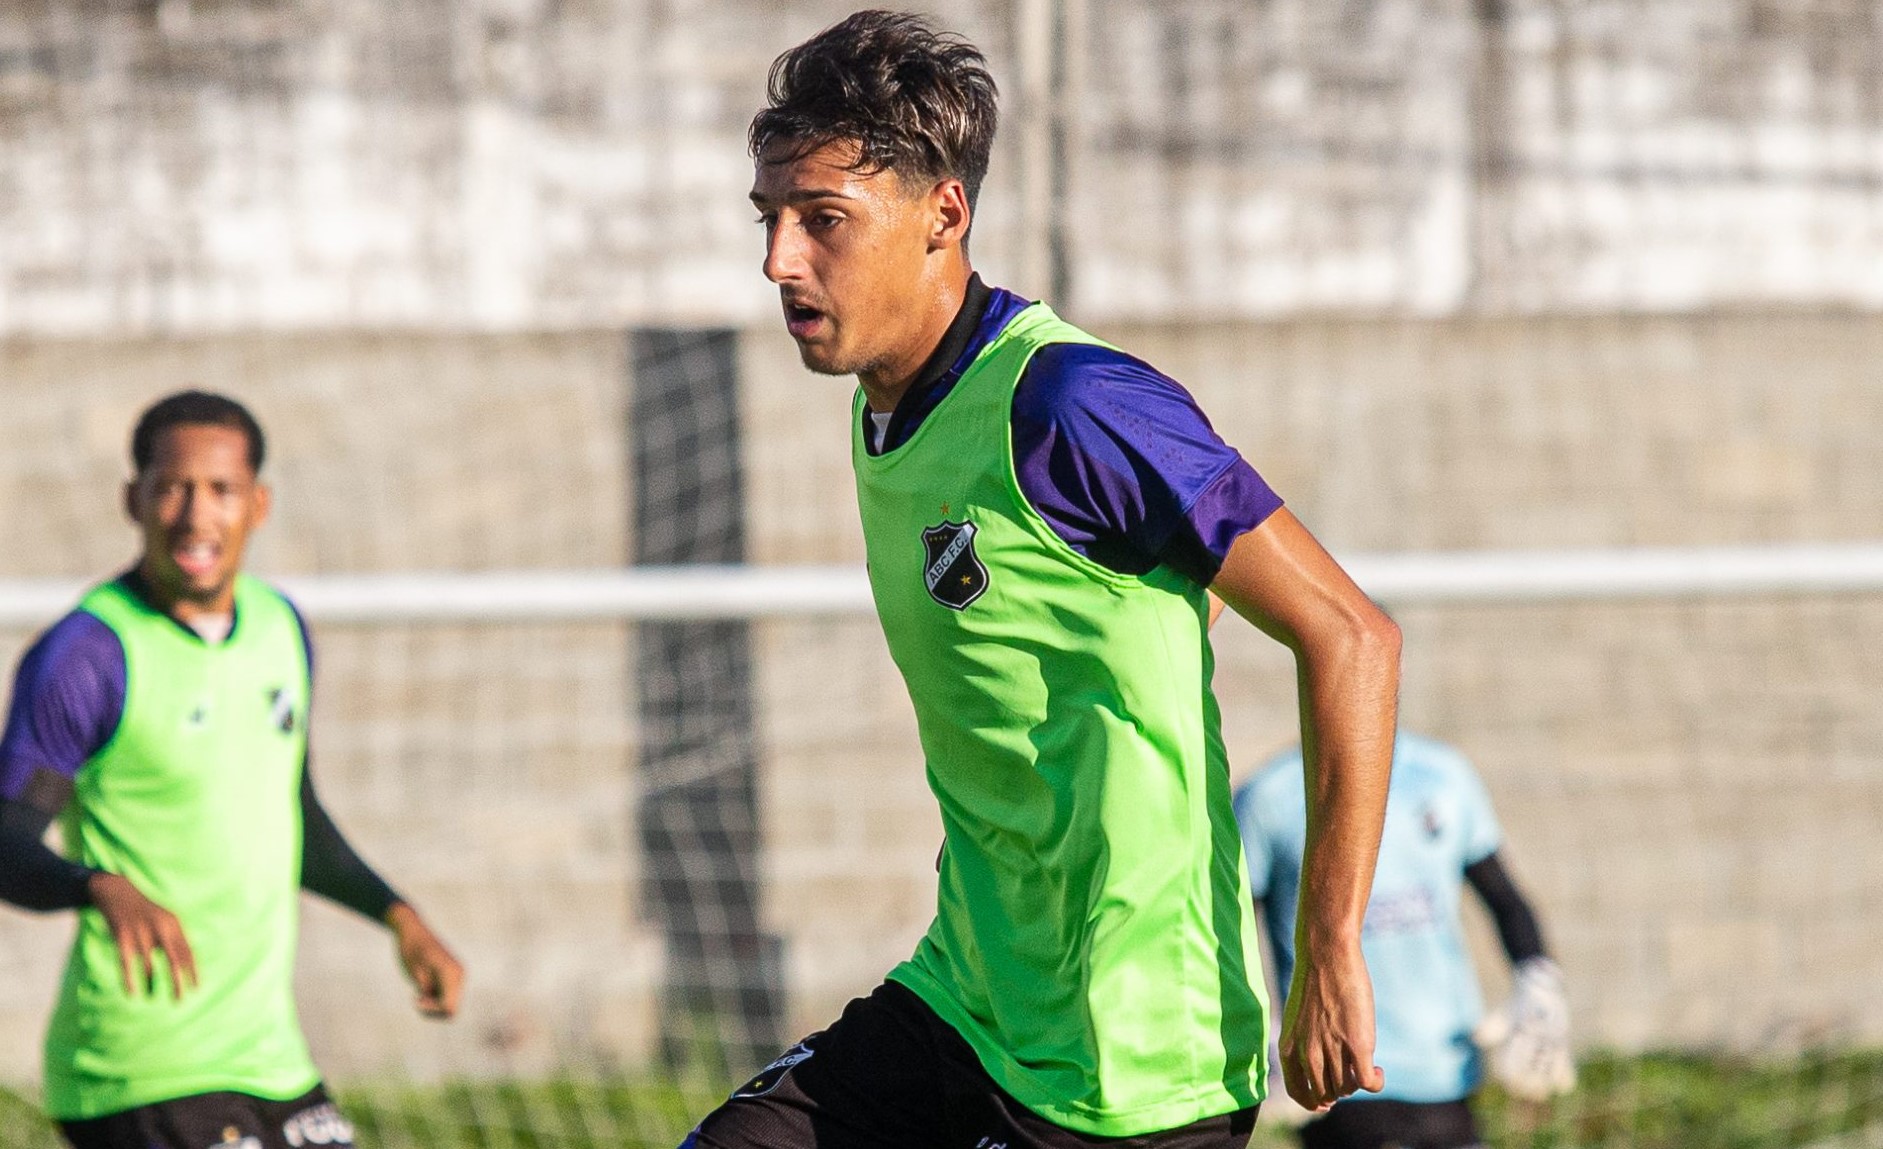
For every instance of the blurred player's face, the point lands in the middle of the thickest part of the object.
(856, 257)
(196, 503)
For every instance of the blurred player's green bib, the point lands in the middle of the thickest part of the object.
(1095, 939)
(196, 800)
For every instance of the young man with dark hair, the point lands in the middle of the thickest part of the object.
(164, 723)
(1046, 518)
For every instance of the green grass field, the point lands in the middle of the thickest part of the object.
(1665, 1101)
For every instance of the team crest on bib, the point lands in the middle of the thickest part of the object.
(954, 573)
(281, 709)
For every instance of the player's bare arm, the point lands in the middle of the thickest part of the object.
(1347, 668)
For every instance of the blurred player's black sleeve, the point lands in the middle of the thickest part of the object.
(1516, 921)
(32, 877)
(329, 865)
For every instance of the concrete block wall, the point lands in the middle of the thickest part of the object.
(230, 165)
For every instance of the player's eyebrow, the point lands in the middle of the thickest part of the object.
(799, 195)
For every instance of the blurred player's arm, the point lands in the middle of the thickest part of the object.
(32, 877)
(67, 699)
(1517, 925)
(333, 869)
(1526, 1039)
(1347, 670)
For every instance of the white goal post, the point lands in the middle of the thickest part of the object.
(750, 591)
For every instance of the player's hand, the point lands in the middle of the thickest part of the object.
(1327, 1035)
(1526, 1040)
(438, 976)
(141, 927)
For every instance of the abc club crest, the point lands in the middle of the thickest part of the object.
(954, 574)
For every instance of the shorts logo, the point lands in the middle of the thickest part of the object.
(773, 1075)
(232, 1139)
(321, 1125)
(954, 574)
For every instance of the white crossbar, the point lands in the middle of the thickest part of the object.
(733, 592)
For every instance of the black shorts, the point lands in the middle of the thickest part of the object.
(1364, 1124)
(890, 1074)
(218, 1121)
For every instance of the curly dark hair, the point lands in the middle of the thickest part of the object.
(916, 100)
(195, 409)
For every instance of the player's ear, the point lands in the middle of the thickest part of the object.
(262, 500)
(131, 509)
(950, 216)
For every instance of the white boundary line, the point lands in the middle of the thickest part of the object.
(732, 592)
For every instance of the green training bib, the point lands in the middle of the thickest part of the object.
(196, 800)
(1095, 936)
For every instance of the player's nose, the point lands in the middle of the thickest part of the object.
(784, 255)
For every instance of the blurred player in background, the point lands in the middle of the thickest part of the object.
(1440, 833)
(164, 722)
(1045, 516)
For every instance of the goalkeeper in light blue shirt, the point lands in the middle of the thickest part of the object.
(1434, 1039)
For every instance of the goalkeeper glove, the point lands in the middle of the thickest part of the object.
(1526, 1040)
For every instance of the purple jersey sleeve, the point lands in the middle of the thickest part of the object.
(67, 699)
(1122, 464)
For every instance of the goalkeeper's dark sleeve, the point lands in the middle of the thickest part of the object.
(331, 867)
(1516, 921)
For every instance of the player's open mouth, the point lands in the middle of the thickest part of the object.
(802, 321)
(197, 559)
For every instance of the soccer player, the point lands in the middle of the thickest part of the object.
(1045, 517)
(164, 723)
(1440, 833)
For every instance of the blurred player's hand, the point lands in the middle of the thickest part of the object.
(1526, 1040)
(141, 927)
(438, 976)
(1327, 1035)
